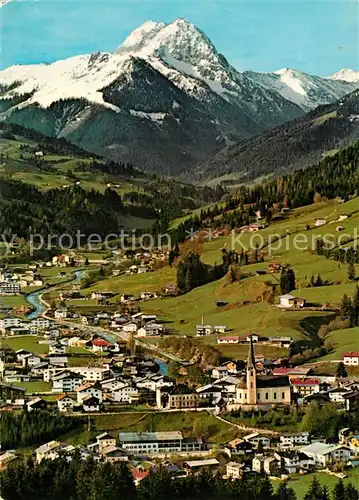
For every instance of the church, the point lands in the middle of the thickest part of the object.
(260, 390)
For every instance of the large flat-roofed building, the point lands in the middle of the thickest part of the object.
(9, 288)
(151, 442)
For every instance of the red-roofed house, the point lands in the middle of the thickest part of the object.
(138, 474)
(100, 345)
(228, 340)
(65, 403)
(305, 386)
(351, 358)
(281, 371)
(298, 371)
(89, 389)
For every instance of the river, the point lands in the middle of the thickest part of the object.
(34, 298)
(39, 307)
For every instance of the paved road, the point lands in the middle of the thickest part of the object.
(109, 335)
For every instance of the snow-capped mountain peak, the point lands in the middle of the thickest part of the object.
(140, 37)
(164, 78)
(347, 75)
(181, 39)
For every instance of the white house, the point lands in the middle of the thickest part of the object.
(228, 340)
(88, 389)
(150, 330)
(220, 328)
(30, 360)
(126, 394)
(256, 438)
(234, 470)
(204, 329)
(65, 403)
(10, 322)
(57, 348)
(48, 451)
(323, 453)
(92, 373)
(320, 222)
(21, 354)
(351, 358)
(38, 370)
(288, 301)
(337, 395)
(61, 313)
(91, 404)
(111, 384)
(10, 288)
(289, 440)
(130, 327)
(66, 382)
(104, 440)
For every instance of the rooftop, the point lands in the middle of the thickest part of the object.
(202, 463)
(305, 381)
(318, 448)
(139, 437)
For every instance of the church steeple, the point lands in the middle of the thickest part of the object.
(251, 359)
(251, 375)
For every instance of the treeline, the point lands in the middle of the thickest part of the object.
(192, 272)
(336, 175)
(24, 210)
(107, 166)
(231, 214)
(348, 255)
(349, 308)
(29, 428)
(295, 144)
(77, 479)
(50, 144)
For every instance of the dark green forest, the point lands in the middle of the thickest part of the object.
(76, 479)
(28, 428)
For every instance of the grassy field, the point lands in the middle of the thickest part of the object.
(137, 283)
(213, 429)
(13, 301)
(300, 484)
(32, 343)
(344, 341)
(29, 342)
(33, 387)
(246, 311)
(184, 312)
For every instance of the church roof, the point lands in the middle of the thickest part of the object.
(264, 381)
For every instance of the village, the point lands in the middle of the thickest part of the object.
(117, 377)
(106, 362)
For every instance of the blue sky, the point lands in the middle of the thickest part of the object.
(315, 36)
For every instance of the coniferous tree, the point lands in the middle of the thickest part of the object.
(315, 491)
(351, 271)
(351, 493)
(341, 371)
(346, 307)
(284, 493)
(318, 281)
(339, 491)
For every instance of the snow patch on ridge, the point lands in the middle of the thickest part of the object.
(155, 117)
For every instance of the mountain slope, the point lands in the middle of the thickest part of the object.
(293, 145)
(165, 99)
